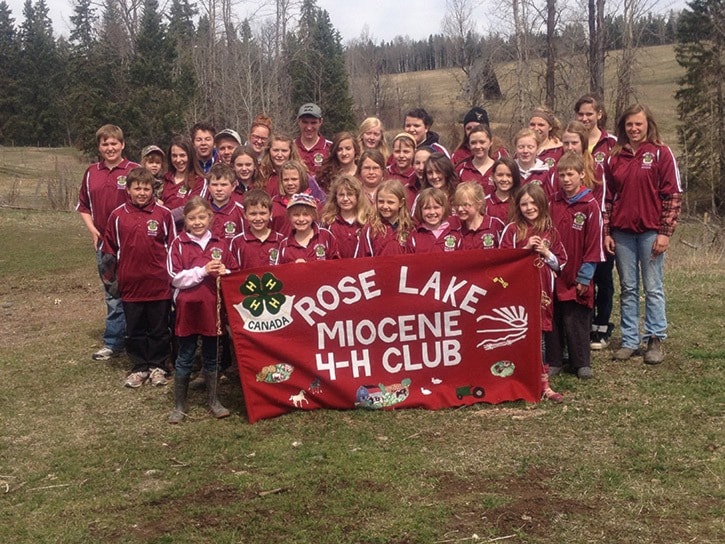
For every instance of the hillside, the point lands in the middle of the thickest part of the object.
(439, 92)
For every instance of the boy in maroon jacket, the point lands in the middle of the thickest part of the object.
(102, 190)
(228, 213)
(311, 145)
(576, 215)
(258, 245)
(135, 246)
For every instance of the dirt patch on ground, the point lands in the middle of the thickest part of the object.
(193, 511)
(530, 504)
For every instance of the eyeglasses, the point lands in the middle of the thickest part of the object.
(257, 138)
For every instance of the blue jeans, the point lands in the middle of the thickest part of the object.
(187, 350)
(633, 256)
(114, 336)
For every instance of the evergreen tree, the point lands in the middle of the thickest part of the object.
(84, 20)
(317, 68)
(9, 53)
(42, 79)
(701, 51)
(154, 111)
(85, 95)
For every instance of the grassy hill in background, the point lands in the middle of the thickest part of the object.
(439, 92)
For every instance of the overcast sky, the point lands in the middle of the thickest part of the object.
(385, 18)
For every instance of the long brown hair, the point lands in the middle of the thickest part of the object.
(331, 164)
(405, 221)
(542, 224)
(266, 166)
(193, 170)
(653, 134)
(332, 208)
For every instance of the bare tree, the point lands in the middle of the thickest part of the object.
(628, 64)
(479, 79)
(596, 46)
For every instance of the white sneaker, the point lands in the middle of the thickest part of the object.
(158, 377)
(136, 379)
(105, 353)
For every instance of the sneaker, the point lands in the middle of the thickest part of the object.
(105, 353)
(552, 395)
(622, 354)
(555, 370)
(584, 373)
(158, 377)
(136, 379)
(598, 341)
(654, 354)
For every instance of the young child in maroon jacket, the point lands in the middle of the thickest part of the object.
(576, 215)
(532, 229)
(346, 212)
(434, 232)
(195, 260)
(135, 244)
(258, 245)
(390, 225)
(507, 178)
(228, 212)
(308, 241)
(478, 229)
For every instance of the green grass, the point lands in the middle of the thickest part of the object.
(633, 455)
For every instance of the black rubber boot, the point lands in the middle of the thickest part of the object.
(181, 392)
(212, 387)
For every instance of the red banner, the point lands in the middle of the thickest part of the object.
(411, 331)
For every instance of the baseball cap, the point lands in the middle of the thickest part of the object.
(152, 149)
(477, 114)
(230, 133)
(310, 109)
(302, 199)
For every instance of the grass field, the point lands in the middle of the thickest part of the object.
(633, 455)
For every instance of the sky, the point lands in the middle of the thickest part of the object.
(385, 19)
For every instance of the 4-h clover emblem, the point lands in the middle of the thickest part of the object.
(262, 294)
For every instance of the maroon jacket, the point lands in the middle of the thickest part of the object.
(322, 247)
(228, 220)
(103, 190)
(643, 190)
(314, 156)
(486, 236)
(546, 274)
(579, 222)
(347, 236)
(422, 240)
(196, 307)
(373, 244)
(468, 172)
(250, 252)
(140, 239)
(497, 208)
